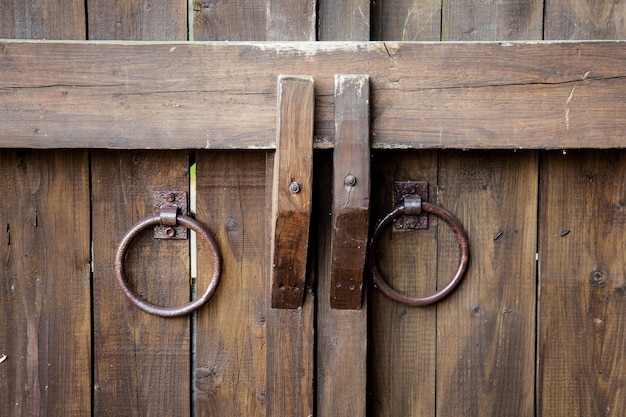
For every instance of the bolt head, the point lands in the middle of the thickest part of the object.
(350, 180)
(294, 188)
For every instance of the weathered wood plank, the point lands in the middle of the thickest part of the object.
(471, 20)
(583, 297)
(406, 20)
(45, 284)
(341, 335)
(486, 328)
(229, 371)
(576, 19)
(292, 191)
(351, 191)
(240, 20)
(403, 349)
(146, 20)
(514, 95)
(42, 19)
(142, 362)
(347, 20)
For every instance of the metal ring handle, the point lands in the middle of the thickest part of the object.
(461, 237)
(120, 273)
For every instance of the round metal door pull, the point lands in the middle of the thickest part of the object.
(413, 208)
(188, 222)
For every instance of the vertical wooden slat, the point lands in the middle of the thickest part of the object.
(406, 20)
(148, 20)
(576, 19)
(471, 20)
(338, 330)
(583, 290)
(44, 273)
(230, 342)
(42, 19)
(141, 361)
(486, 328)
(581, 266)
(228, 361)
(44, 268)
(344, 20)
(351, 191)
(240, 20)
(402, 345)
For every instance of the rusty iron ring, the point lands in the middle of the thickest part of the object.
(461, 237)
(203, 233)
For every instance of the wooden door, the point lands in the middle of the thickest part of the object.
(535, 327)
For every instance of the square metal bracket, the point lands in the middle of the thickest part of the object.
(178, 199)
(402, 189)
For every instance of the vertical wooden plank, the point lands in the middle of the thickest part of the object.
(229, 371)
(338, 331)
(583, 289)
(291, 190)
(289, 20)
(406, 20)
(402, 345)
(238, 20)
(141, 361)
(472, 20)
(45, 330)
(486, 328)
(42, 19)
(351, 191)
(576, 19)
(148, 20)
(343, 20)
(45, 252)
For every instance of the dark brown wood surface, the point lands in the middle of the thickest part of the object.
(45, 330)
(351, 191)
(515, 95)
(141, 362)
(403, 340)
(292, 190)
(45, 263)
(229, 370)
(486, 329)
(582, 294)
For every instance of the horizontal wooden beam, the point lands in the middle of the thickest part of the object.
(223, 95)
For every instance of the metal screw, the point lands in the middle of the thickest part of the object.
(169, 232)
(170, 197)
(294, 188)
(350, 180)
(352, 287)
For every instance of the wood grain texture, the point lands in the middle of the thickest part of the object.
(576, 19)
(471, 20)
(403, 340)
(142, 362)
(351, 191)
(229, 370)
(347, 20)
(147, 20)
(406, 20)
(582, 300)
(341, 335)
(486, 328)
(45, 284)
(515, 95)
(42, 19)
(239, 20)
(292, 191)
